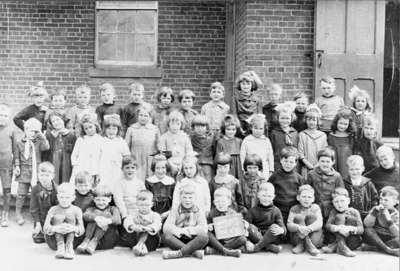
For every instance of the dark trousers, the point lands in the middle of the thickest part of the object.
(127, 239)
(380, 239)
(353, 241)
(223, 245)
(185, 244)
(316, 237)
(262, 239)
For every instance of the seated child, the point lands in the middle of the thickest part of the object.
(185, 230)
(227, 247)
(83, 190)
(101, 221)
(63, 223)
(43, 196)
(141, 229)
(252, 180)
(266, 222)
(305, 223)
(186, 98)
(382, 223)
(345, 223)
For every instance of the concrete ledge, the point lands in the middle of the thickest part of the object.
(125, 72)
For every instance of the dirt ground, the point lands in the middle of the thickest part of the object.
(18, 252)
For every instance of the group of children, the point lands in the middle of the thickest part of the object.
(142, 176)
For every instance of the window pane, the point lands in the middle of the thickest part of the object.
(107, 45)
(130, 47)
(145, 21)
(126, 21)
(107, 21)
(145, 48)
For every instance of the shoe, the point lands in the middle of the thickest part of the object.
(60, 251)
(331, 248)
(274, 248)
(20, 219)
(199, 254)
(345, 250)
(91, 247)
(83, 246)
(136, 251)
(4, 219)
(366, 247)
(210, 251)
(233, 253)
(69, 253)
(310, 247)
(249, 247)
(299, 248)
(173, 254)
(393, 251)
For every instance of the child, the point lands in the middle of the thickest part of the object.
(62, 142)
(161, 185)
(252, 179)
(341, 139)
(175, 140)
(43, 196)
(141, 230)
(57, 104)
(325, 179)
(130, 110)
(27, 157)
(388, 171)
(82, 108)
(192, 176)
(216, 109)
(186, 99)
(361, 106)
(229, 143)
(203, 142)
(266, 223)
(36, 110)
(142, 138)
(301, 99)
(83, 192)
(286, 181)
(283, 135)
(305, 223)
(246, 104)
(367, 145)
(87, 150)
(328, 102)
(269, 110)
(345, 223)
(63, 223)
(8, 144)
(227, 247)
(101, 222)
(382, 223)
(224, 179)
(165, 98)
(107, 96)
(362, 192)
(185, 230)
(311, 140)
(258, 143)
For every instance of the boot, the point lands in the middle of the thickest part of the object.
(199, 254)
(233, 253)
(91, 247)
(60, 246)
(250, 247)
(69, 247)
(83, 246)
(173, 254)
(393, 251)
(331, 248)
(274, 248)
(4, 219)
(211, 251)
(299, 248)
(343, 249)
(18, 210)
(310, 247)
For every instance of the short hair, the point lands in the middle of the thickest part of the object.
(218, 85)
(5, 107)
(355, 160)
(128, 160)
(200, 120)
(305, 187)
(58, 92)
(53, 114)
(186, 93)
(66, 188)
(327, 79)
(159, 158)
(136, 86)
(355, 92)
(313, 110)
(287, 107)
(102, 190)
(144, 195)
(38, 88)
(385, 149)
(176, 116)
(326, 152)
(83, 89)
(340, 191)
(289, 151)
(344, 113)
(33, 124)
(266, 186)
(89, 118)
(258, 118)
(187, 189)
(112, 120)
(193, 160)
(253, 160)
(222, 192)
(389, 191)
(230, 120)
(163, 92)
(83, 177)
(300, 95)
(275, 86)
(107, 86)
(223, 158)
(46, 166)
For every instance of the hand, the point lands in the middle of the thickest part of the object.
(185, 231)
(178, 232)
(276, 230)
(210, 227)
(164, 215)
(17, 171)
(387, 214)
(344, 230)
(304, 230)
(40, 135)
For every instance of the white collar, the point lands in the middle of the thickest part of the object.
(165, 181)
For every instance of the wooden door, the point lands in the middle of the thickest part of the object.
(349, 44)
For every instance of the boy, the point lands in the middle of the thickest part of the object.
(286, 181)
(388, 171)
(101, 219)
(63, 223)
(216, 109)
(107, 96)
(266, 222)
(57, 105)
(305, 223)
(302, 101)
(142, 228)
(43, 196)
(382, 223)
(8, 143)
(130, 110)
(324, 179)
(230, 247)
(329, 103)
(269, 110)
(186, 98)
(83, 193)
(362, 192)
(345, 223)
(185, 230)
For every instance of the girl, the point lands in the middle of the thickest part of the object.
(229, 143)
(252, 179)
(341, 139)
(224, 179)
(113, 149)
(62, 142)
(301, 100)
(87, 149)
(245, 102)
(165, 98)
(283, 135)
(258, 143)
(311, 140)
(192, 176)
(361, 105)
(142, 138)
(161, 185)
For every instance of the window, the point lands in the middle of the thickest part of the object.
(126, 33)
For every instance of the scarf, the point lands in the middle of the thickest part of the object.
(29, 151)
(186, 216)
(246, 106)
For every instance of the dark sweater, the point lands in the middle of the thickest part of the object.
(362, 197)
(271, 115)
(300, 123)
(205, 147)
(382, 177)
(83, 201)
(41, 202)
(367, 150)
(215, 213)
(108, 109)
(351, 218)
(264, 216)
(31, 111)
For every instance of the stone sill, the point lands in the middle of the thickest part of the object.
(125, 72)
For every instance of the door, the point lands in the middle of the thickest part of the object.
(349, 46)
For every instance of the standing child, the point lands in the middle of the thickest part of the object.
(57, 104)
(107, 96)
(341, 139)
(361, 106)
(136, 91)
(345, 223)
(269, 110)
(142, 138)
(252, 179)
(8, 144)
(27, 159)
(301, 99)
(186, 99)
(165, 98)
(329, 103)
(216, 109)
(258, 143)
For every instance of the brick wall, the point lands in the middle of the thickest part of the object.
(53, 41)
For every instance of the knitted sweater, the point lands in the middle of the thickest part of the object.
(299, 212)
(351, 216)
(382, 177)
(264, 216)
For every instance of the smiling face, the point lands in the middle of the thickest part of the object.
(230, 131)
(386, 160)
(284, 119)
(222, 203)
(325, 163)
(187, 200)
(83, 98)
(343, 124)
(107, 96)
(355, 171)
(341, 203)
(166, 99)
(102, 202)
(266, 197)
(57, 123)
(306, 198)
(245, 87)
(360, 103)
(301, 104)
(288, 163)
(216, 94)
(160, 169)
(129, 171)
(83, 187)
(58, 101)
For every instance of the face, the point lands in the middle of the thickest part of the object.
(369, 131)
(216, 94)
(38, 98)
(65, 199)
(45, 176)
(160, 170)
(166, 99)
(327, 89)
(83, 188)
(312, 122)
(301, 104)
(284, 119)
(137, 95)
(30, 133)
(57, 123)
(83, 98)
(245, 87)
(306, 198)
(388, 201)
(129, 171)
(288, 163)
(222, 203)
(175, 126)
(89, 128)
(274, 95)
(258, 129)
(230, 131)
(342, 124)
(189, 169)
(356, 170)
(386, 160)
(200, 129)
(187, 200)
(341, 203)
(325, 163)
(102, 202)
(187, 103)
(107, 96)
(111, 131)
(360, 103)
(4, 117)
(144, 206)
(252, 170)
(266, 197)
(58, 101)
(223, 170)
(143, 117)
